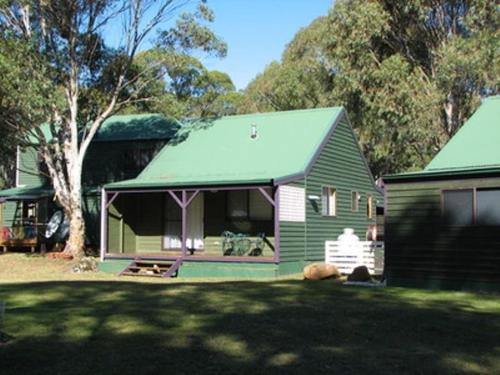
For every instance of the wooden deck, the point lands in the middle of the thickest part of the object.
(31, 243)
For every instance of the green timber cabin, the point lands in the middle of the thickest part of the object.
(294, 179)
(121, 149)
(442, 226)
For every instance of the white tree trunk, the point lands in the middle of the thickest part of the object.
(76, 241)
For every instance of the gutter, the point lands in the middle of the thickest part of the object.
(447, 174)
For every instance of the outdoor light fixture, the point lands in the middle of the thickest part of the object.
(253, 131)
(313, 197)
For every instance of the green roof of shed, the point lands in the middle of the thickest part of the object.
(222, 151)
(476, 144)
(474, 150)
(26, 192)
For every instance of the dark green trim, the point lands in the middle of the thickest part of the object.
(442, 175)
(240, 270)
(113, 266)
(228, 270)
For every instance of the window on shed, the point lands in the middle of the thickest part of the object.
(237, 204)
(329, 201)
(369, 206)
(355, 197)
(488, 206)
(260, 208)
(458, 207)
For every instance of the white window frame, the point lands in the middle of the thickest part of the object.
(329, 194)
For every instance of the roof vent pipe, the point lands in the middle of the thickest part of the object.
(253, 131)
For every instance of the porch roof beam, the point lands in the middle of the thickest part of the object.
(267, 196)
(202, 188)
(195, 193)
(113, 197)
(176, 198)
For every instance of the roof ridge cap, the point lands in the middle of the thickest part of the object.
(276, 113)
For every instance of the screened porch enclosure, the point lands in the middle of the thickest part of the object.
(222, 223)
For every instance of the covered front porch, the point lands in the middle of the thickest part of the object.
(214, 223)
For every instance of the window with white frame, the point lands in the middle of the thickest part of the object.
(369, 206)
(329, 201)
(355, 198)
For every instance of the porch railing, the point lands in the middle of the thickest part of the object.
(347, 256)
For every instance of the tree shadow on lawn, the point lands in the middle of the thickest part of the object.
(244, 327)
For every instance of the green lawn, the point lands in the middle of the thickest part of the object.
(81, 324)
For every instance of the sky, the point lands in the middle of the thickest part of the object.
(257, 32)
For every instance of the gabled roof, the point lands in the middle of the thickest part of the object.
(222, 151)
(137, 127)
(474, 150)
(476, 144)
(149, 126)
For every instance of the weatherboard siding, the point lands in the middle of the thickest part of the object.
(107, 162)
(422, 250)
(149, 222)
(28, 167)
(10, 213)
(340, 165)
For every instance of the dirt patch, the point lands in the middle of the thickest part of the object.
(60, 255)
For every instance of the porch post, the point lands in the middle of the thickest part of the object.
(184, 223)
(104, 223)
(277, 225)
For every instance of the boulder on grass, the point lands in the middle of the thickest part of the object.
(320, 271)
(360, 273)
(85, 264)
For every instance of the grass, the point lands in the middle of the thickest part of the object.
(92, 324)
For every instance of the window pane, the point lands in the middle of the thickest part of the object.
(488, 207)
(324, 201)
(355, 201)
(237, 204)
(369, 206)
(332, 202)
(328, 201)
(458, 207)
(260, 208)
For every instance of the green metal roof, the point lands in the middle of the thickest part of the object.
(476, 144)
(137, 127)
(26, 192)
(131, 127)
(475, 149)
(222, 151)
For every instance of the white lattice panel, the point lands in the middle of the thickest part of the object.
(292, 203)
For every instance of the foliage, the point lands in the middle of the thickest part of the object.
(184, 88)
(300, 81)
(61, 62)
(409, 73)
(24, 96)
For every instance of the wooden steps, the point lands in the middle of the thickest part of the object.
(152, 268)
